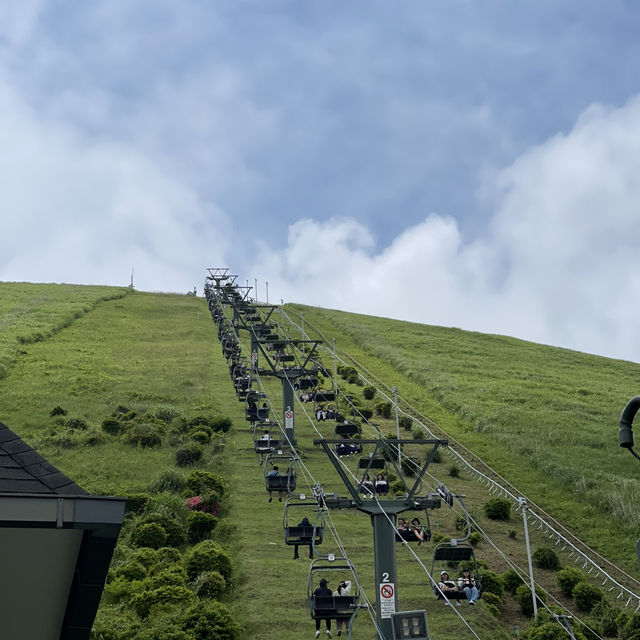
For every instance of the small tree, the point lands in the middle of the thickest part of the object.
(586, 596)
(568, 578)
(546, 558)
(369, 392)
(524, 599)
(498, 509)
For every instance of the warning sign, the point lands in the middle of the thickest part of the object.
(288, 419)
(387, 599)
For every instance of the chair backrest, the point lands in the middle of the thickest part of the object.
(453, 554)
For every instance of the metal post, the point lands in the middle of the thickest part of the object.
(254, 350)
(335, 367)
(523, 505)
(384, 549)
(302, 322)
(288, 402)
(395, 402)
(255, 287)
(266, 284)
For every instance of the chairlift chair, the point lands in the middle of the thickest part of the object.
(283, 482)
(371, 465)
(267, 441)
(324, 396)
(333, 607)
(295, 509)
(410, 536)
(307, 383)
(347, 430)
(449, 555)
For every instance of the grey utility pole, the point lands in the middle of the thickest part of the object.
(523, 505)
(383, 513)
(395, 404)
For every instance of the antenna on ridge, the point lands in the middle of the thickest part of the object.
(131, 283)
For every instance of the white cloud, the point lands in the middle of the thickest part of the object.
(79, 210)
(558, 263)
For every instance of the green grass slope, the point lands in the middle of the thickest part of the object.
(545, 418)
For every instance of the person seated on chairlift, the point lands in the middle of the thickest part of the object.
(320, 413)
(416, 530)
(449, 589)
(323, 591)
(382, 485)
(467, 585)
(366, 486)
(403, 529)
(303, 539)
(344, 589)
(331, 412)
(304, 397)
(273, 474)
(252, 410)
(266, 436)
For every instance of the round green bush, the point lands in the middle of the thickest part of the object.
(189, 454)
(113, 427)
(406, 422)
(491, 582)
(142, 601)
(169, 575)
(91, 438)
(201, 436)
(147, 557)
(410, 466)
(199, 420)
(150, 535)
(493, 599)
(221, 425)
(454, 472)
(144, 435)
(176, 532)
(498, 509)
(546, 558)
(383, 409)
(132, 570)
(169, 481)
(511, 580)
(365, 413)
(568, 578)
(200, 525)
(167, 415)
(607, 615)
(475, 538)
(76, 423)
(369, 392)
(207, 556)
(210, 584)
(57, 411)
(168, 555)
(136, 502)
(211, 621)
(199, 482)
(586, 596)
(524, 599)
(548, 631)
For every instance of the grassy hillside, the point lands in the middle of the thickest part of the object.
(545, 418)
(151, 352)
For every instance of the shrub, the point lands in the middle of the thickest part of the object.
(142, 601)
(383, 409)
(143, 435)
(189, 454)
(221, 425)
(112, 426)
(199, 482)
(511, 580)
(410, 466)
(512, 533)
(176, 534)
(586, 596)
(201, 436)
(167, 555)
(91, 438)
(136, 502)
(546, 558)
(76, 423)
(145, 556)
(491, 582)
(132, 570)
(369, 392)
(568, 578)
(167, 415)
(225, 532)
(211, 621)
(168, 505)
(200, 525)
(207, 556)
(547, 631)
(493, 599)
(168, 481)
(366, 413)
(498, 509)
(120, 410)
(57, 411)
(210, 584)
(454, 472)
(168, 575)
(207, 504)
(524, 599)
(406, 422)
(607, 616)
(150, 535)
(475, 539)
(199, 420)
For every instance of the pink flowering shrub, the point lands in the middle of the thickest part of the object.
(208, 504)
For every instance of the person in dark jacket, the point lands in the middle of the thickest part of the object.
(304, 540)
(323, 590)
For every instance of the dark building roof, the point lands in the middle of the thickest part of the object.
(24, 470)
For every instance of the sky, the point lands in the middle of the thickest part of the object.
(467, 164)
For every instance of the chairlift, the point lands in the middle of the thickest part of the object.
(324, 396)
(295, 509)
(409, 535)
(307, 383)
(268, 441)
(333, 607)
(347, 430)
(280, 482)
(372, 465)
